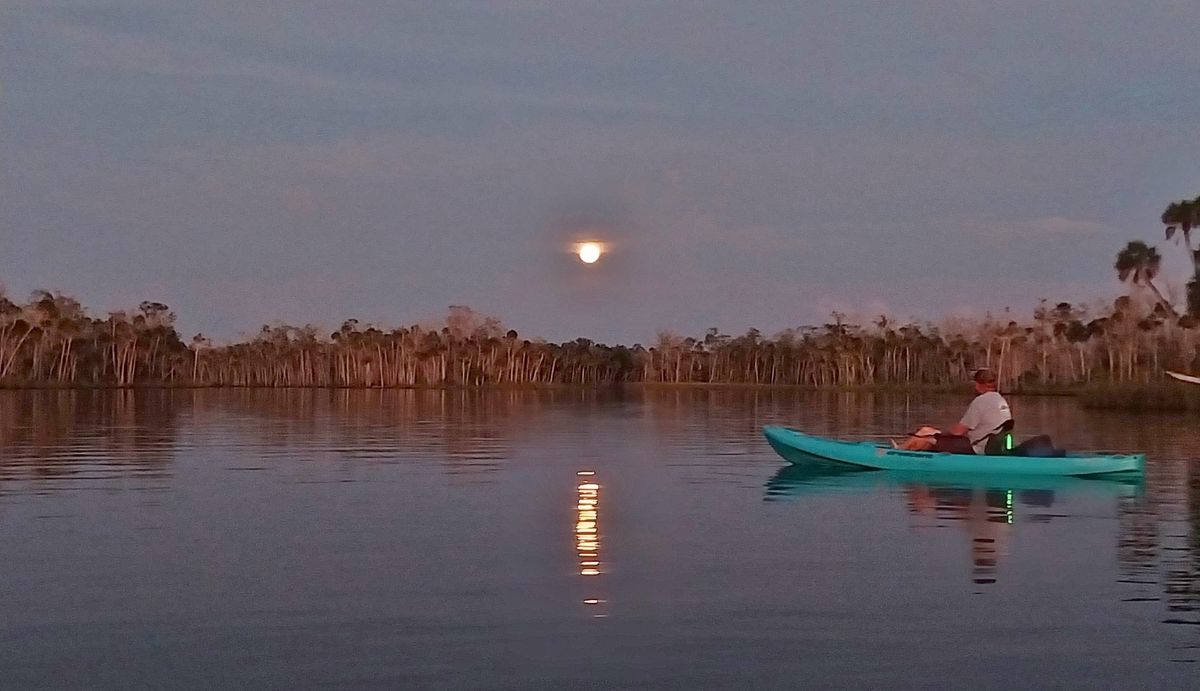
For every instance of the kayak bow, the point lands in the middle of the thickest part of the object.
(1183, 377)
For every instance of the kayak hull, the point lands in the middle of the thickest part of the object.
(800, 448)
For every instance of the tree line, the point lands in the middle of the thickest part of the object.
(51, 340)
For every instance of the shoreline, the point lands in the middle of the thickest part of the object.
(1165, 395)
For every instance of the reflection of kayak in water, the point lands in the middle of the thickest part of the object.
(802, 449)
(818, 478)
(984, 507)
(1183, 377)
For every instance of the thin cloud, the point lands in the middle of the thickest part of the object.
(1002, 230)
(92, 47)
(1058, 225)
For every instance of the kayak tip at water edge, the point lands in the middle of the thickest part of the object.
(1186, 378)
(799, 448)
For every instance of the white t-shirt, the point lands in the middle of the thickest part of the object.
(984, 416)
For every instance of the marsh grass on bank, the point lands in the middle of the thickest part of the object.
(1134, 397)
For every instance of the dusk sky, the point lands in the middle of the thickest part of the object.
(752, 164)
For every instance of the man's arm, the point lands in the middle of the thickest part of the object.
(970, 420)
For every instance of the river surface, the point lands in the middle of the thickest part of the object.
(574, 539)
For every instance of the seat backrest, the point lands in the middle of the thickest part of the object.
(1000, 442)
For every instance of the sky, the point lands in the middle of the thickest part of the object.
(748, 164)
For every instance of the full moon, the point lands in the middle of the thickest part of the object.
(589, 252)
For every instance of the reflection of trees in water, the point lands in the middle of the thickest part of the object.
(1159, 543)
(59, 433)
(1137, 543)
(727, 420)
(1181, 558)
(471, 431)
(1194, 521)
(1170, 497)
(50, 433)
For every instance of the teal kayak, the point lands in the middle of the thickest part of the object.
(800, 448)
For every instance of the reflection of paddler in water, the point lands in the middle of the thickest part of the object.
(988, 515)
(988, 512)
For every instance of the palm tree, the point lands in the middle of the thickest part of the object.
(1139, 264)
(1183, 216)
(199, 343)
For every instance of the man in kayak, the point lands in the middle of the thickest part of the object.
(987, 415)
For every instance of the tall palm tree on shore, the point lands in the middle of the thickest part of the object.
(1139, 264)
(1183, 217)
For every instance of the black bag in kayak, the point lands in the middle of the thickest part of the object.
(1040, 446)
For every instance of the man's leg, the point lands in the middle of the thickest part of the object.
(953, 443)
(918, 444)
(921, 440)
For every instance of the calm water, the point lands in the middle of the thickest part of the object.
(447, 539)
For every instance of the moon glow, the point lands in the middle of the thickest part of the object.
(589, 252)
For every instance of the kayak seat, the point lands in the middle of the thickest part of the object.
(1000, 442)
